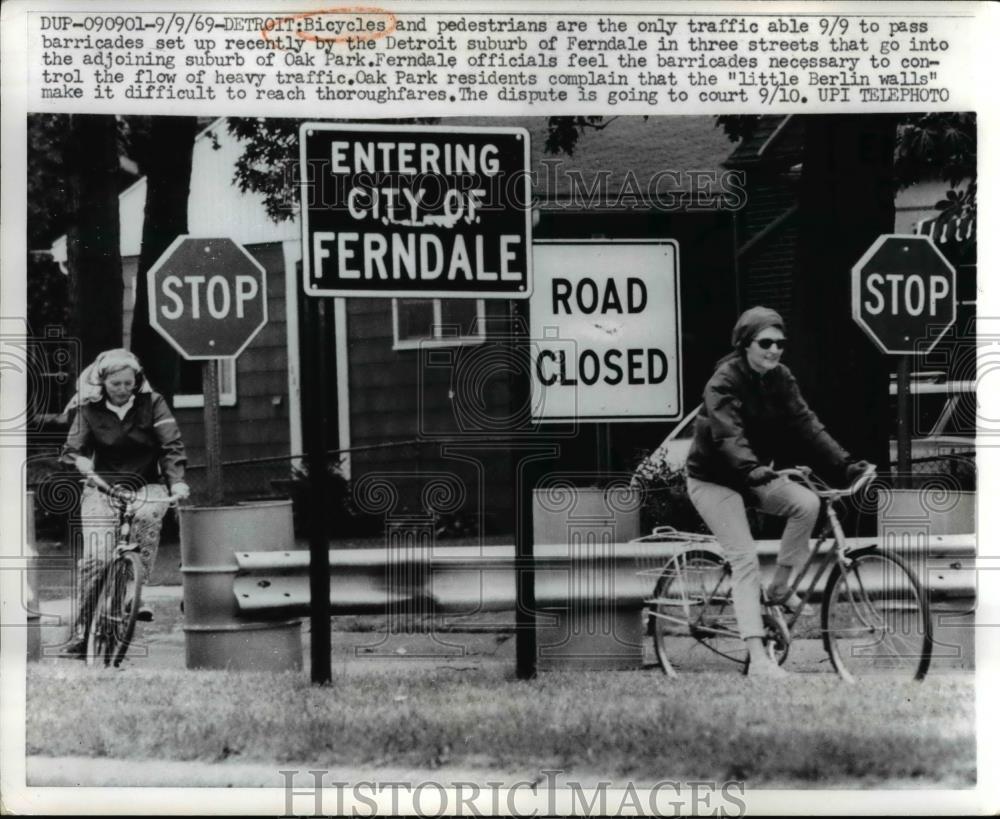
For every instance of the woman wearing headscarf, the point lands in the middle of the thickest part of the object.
(753, 417)
(125, 433)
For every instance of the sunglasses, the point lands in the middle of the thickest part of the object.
(767, 343)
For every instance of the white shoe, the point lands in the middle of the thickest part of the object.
(768, 670)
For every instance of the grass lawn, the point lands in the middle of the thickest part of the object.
(812, 731)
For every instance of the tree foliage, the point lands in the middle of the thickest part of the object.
(932, 146)
(48, 180)
(935, 146)
(269, 162)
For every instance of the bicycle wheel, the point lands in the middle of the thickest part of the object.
(694, 624)
(876, 619)
(113, 623)
(100, 631)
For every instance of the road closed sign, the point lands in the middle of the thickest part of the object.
(605, 331)
(419, 211)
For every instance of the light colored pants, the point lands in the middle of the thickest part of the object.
(97, 524)
(724, 511)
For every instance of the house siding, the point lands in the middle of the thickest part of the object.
(257, 425)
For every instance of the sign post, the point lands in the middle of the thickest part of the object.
(903, 296)
(208, 298)
(213, 435)
(410, 212)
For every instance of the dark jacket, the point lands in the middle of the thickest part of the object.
(749, 420)
(145, 444)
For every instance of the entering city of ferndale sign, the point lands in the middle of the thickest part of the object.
(409, 211)
(395, 210)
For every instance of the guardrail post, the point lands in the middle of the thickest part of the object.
(908, 518)
(599, 627)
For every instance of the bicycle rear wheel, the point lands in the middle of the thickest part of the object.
(876, 619)
(114, 618)
(694, 625)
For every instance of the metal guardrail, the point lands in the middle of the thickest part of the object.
(471, 579)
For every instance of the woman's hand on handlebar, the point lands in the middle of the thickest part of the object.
(180, 491)
(856, 469)
(86, 467)
(861, 473)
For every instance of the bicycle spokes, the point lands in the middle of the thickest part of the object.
(692, 614)
(876, 620)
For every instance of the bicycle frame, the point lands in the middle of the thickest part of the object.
(831, 529)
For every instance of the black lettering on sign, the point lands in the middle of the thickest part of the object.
(636, 295)
(561, 291)
(587, 296)
(645, 366)
(611, 358)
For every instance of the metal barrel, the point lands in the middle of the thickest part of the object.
(33, 618)
(215, 636)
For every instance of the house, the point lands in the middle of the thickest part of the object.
(399, 410)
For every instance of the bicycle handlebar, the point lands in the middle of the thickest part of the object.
(805, 474)
(124, 494)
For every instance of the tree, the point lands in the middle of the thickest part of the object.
(48, 178)
(164, 149)
(269, 164)
(94, 257)
(74, 179)
(846, 201)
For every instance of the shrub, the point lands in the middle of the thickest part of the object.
(666, 502)
(343, 518)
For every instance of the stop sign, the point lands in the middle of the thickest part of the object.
(207, 297)
(903, 293)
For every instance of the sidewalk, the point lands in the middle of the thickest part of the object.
(365, 642)
(79, 771)
(160, 644)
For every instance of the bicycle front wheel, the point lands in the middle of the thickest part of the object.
(694, 624)
(113, 622)
(876, 619)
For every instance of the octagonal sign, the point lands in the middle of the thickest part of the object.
(207, 297)
(903, 294)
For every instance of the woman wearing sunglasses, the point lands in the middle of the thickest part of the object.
(753, 417)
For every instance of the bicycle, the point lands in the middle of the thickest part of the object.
(119, 595)
(874, 618)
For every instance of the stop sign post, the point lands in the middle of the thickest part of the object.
(903, 296)
(208, 299)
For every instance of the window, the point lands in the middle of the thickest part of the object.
(437, 322)
(189, 391)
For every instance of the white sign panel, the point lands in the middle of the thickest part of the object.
(605, 331)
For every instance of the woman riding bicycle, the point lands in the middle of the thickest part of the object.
(125, 433)
(753, 416)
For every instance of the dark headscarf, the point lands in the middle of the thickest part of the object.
(751, 322)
